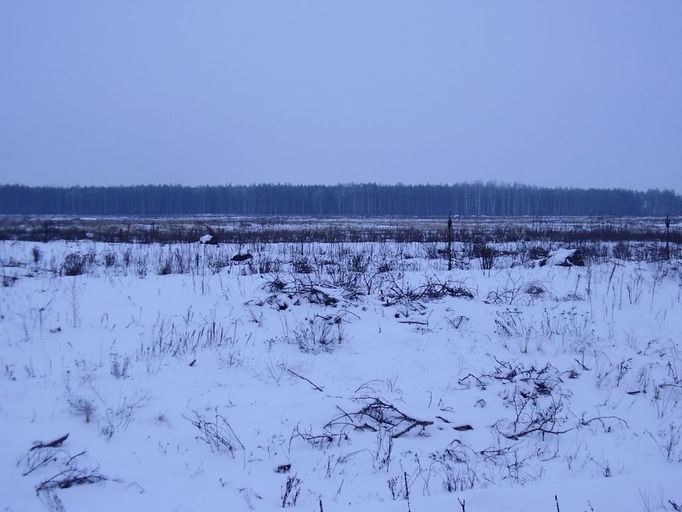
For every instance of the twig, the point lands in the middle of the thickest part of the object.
(582, 365)
(69, 478)
(315, 386)
(542, 430)
(49, 458)
(417, 423)
(601, 419)
(407, 492)
(385, 414)
(479, 382)
(52, 444)
(77, 455)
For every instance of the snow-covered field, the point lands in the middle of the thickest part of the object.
(336, 377)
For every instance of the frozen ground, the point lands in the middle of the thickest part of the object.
(336, 377)
(272, 228)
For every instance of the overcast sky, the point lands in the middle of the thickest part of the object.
(573, 93)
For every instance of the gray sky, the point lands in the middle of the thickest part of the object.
(572, 93)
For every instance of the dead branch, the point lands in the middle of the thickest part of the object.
(382, 415)
(70, 477)
(315, 386)
(479, 382)
(52, 444)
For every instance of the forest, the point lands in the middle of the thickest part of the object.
(356, 200)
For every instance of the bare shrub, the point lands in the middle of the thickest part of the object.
(456, 467)
(359, 263)
(71, 477)
(119, 366)
(401, 292)
(487, 255)
(171, 340)
(622, 251)
(378, 414)
(82, 406)
(337, 276)
(381, 455)
(41, 454)
(109, 259)
(384, 266)
(290, 491)
(535, 411)
(127, 257)
(119, 418)
(319, 440)
(431, 252)
(536, 400)
(216, 433)
(36, 254)
(507, 295)
(165, 267)
(8, 281)
(52, 502)
(297, 290)
(268, 266)
(535, 290)
(457, 321)
(74, 264)
(301, 266)
(512, 323)
(669, 441)
(44, 455)
(537, 252)
(140, 265)
(318, 334)
(566, 325)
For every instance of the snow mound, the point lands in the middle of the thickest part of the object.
(564, 258)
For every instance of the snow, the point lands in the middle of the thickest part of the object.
(570, 377)
(560, 256)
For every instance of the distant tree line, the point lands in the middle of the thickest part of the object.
(468, 199)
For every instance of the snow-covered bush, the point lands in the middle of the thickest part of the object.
(74, 264)
(317, 334)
